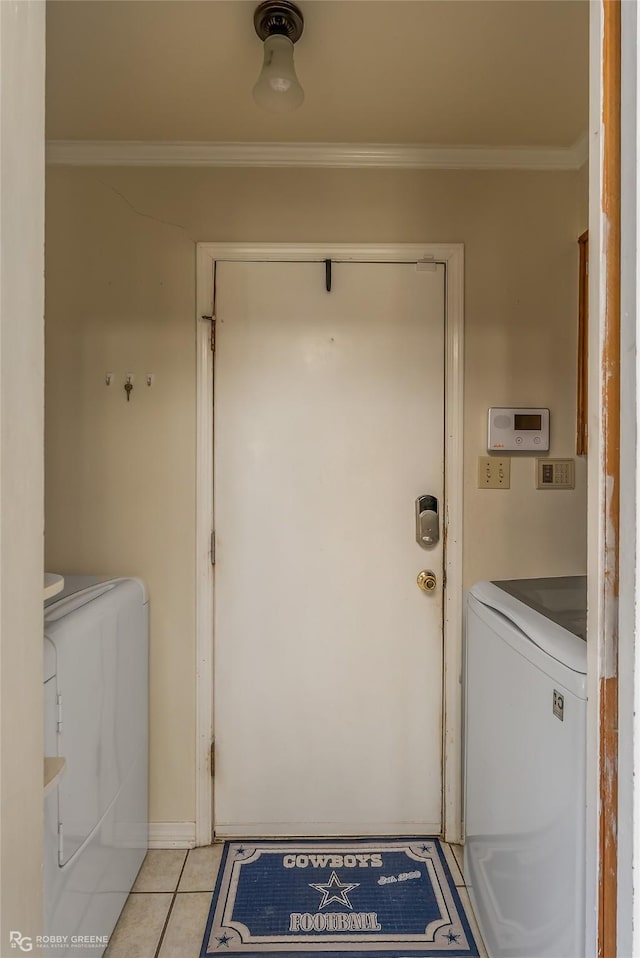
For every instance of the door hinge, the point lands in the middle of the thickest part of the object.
(426, 264)
(213, 758)
(212, 548)
(60, 844)
(59, 716)
(212, 340)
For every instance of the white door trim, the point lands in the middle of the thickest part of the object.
(452, 256)
(204, 568)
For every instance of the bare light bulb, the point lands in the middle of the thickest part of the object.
(278, 88)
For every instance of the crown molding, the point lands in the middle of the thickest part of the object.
(333, 155)
(580, 150)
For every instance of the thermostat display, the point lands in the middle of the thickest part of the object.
(518, 430)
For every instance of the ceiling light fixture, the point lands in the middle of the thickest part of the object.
(280, 24)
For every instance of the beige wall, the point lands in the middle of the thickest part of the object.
(120, 298)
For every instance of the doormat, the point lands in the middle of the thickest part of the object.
(325, 898)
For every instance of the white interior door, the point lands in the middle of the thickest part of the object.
(329, 422)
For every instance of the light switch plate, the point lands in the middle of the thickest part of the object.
(494, 472)
(555, 474)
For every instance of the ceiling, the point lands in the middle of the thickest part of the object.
(449, 72)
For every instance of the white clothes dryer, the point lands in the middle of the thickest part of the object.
(96, 653)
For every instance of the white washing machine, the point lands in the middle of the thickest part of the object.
(525, 735)
(96, 651)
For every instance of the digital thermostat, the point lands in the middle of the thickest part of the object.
(518, 429)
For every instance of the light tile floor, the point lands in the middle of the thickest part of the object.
(166, 913)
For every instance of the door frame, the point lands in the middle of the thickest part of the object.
(451, 256)
(612, 677)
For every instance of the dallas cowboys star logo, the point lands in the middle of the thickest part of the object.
(451, 938)
(224, 940)
(335, 890)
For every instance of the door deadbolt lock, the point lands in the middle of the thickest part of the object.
(426, 580)
(427, 521)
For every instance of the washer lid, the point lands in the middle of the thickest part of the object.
(539, 627)
(563, 599)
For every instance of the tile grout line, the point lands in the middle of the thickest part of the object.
(170, 910)
(146, 892)
(165, 925)
(184, 865)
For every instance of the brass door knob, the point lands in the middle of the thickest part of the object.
(426, 580)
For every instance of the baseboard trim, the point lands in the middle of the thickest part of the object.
(172, 834)
(328, 831)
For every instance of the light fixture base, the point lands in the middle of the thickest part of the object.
(278, 17)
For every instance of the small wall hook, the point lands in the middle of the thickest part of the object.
(327, 274)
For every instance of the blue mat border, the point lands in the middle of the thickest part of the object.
(474, 952)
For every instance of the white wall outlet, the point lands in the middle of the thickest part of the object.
(494, 472)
